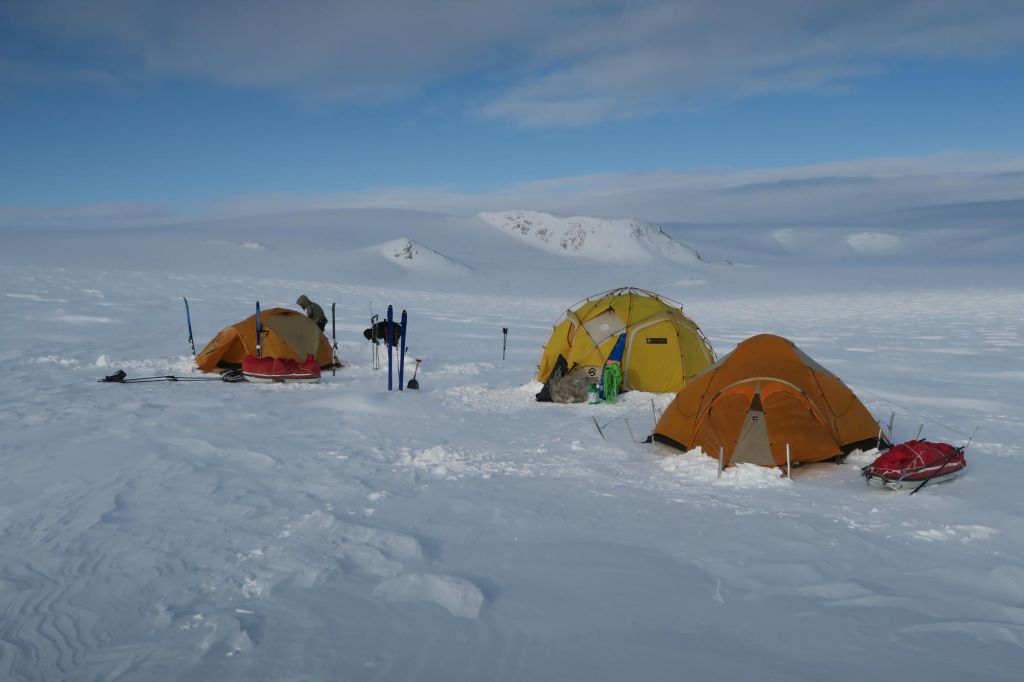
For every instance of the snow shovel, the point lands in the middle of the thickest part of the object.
(413, 384)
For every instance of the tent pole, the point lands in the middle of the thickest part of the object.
(721, 458)
(789, 470)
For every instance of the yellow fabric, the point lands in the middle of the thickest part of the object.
(286, 334)
(664, 348)
(804, 404)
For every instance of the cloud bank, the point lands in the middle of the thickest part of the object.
(541, 62)
(955, 187)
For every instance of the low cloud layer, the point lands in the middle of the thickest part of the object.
(848, 192)
(547, 62)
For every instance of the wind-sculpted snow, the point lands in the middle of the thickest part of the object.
(216, 531)
(458, 596)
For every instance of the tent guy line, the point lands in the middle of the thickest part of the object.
(914, 413)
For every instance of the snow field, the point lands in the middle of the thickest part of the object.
(219, 531)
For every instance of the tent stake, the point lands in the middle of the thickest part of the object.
(628, 428)
(892, 420)
(920, 429)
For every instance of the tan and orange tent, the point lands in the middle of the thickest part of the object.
(663, 347)
(286, 334)
(764, 395)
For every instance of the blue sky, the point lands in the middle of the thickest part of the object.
(192, 106)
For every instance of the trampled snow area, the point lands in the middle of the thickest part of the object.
(215, 531)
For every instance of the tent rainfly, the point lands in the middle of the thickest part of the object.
(661, 348)
(763, 396)
(287, 334)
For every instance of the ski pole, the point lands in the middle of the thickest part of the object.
(401, 354)
(374, 342)
(504, 342)
(334, 338)
(259, 332)
(390, 338)
(188, 316)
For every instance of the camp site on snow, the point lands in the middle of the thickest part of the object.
(766, 403)
(233, 526)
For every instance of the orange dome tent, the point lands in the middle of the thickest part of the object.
(764, 395)
(286, 334)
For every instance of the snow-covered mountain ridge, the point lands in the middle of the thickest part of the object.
(595, 238)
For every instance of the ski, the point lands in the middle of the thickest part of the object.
(259, 332)
(120, 377)
(401, 354)
(188, 317)
(389, 339)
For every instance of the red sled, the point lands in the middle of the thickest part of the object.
(914, 463)
(280, 370)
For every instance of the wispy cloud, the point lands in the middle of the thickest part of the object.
(549, 62)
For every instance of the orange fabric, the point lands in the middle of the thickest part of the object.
(804, 404)
(227, 349)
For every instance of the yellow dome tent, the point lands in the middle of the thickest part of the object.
(766, 394)
(286, 334)
(663, 348)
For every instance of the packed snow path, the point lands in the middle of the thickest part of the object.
(242, 532)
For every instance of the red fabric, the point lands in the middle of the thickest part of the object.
(905, 460)
(281, 367)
